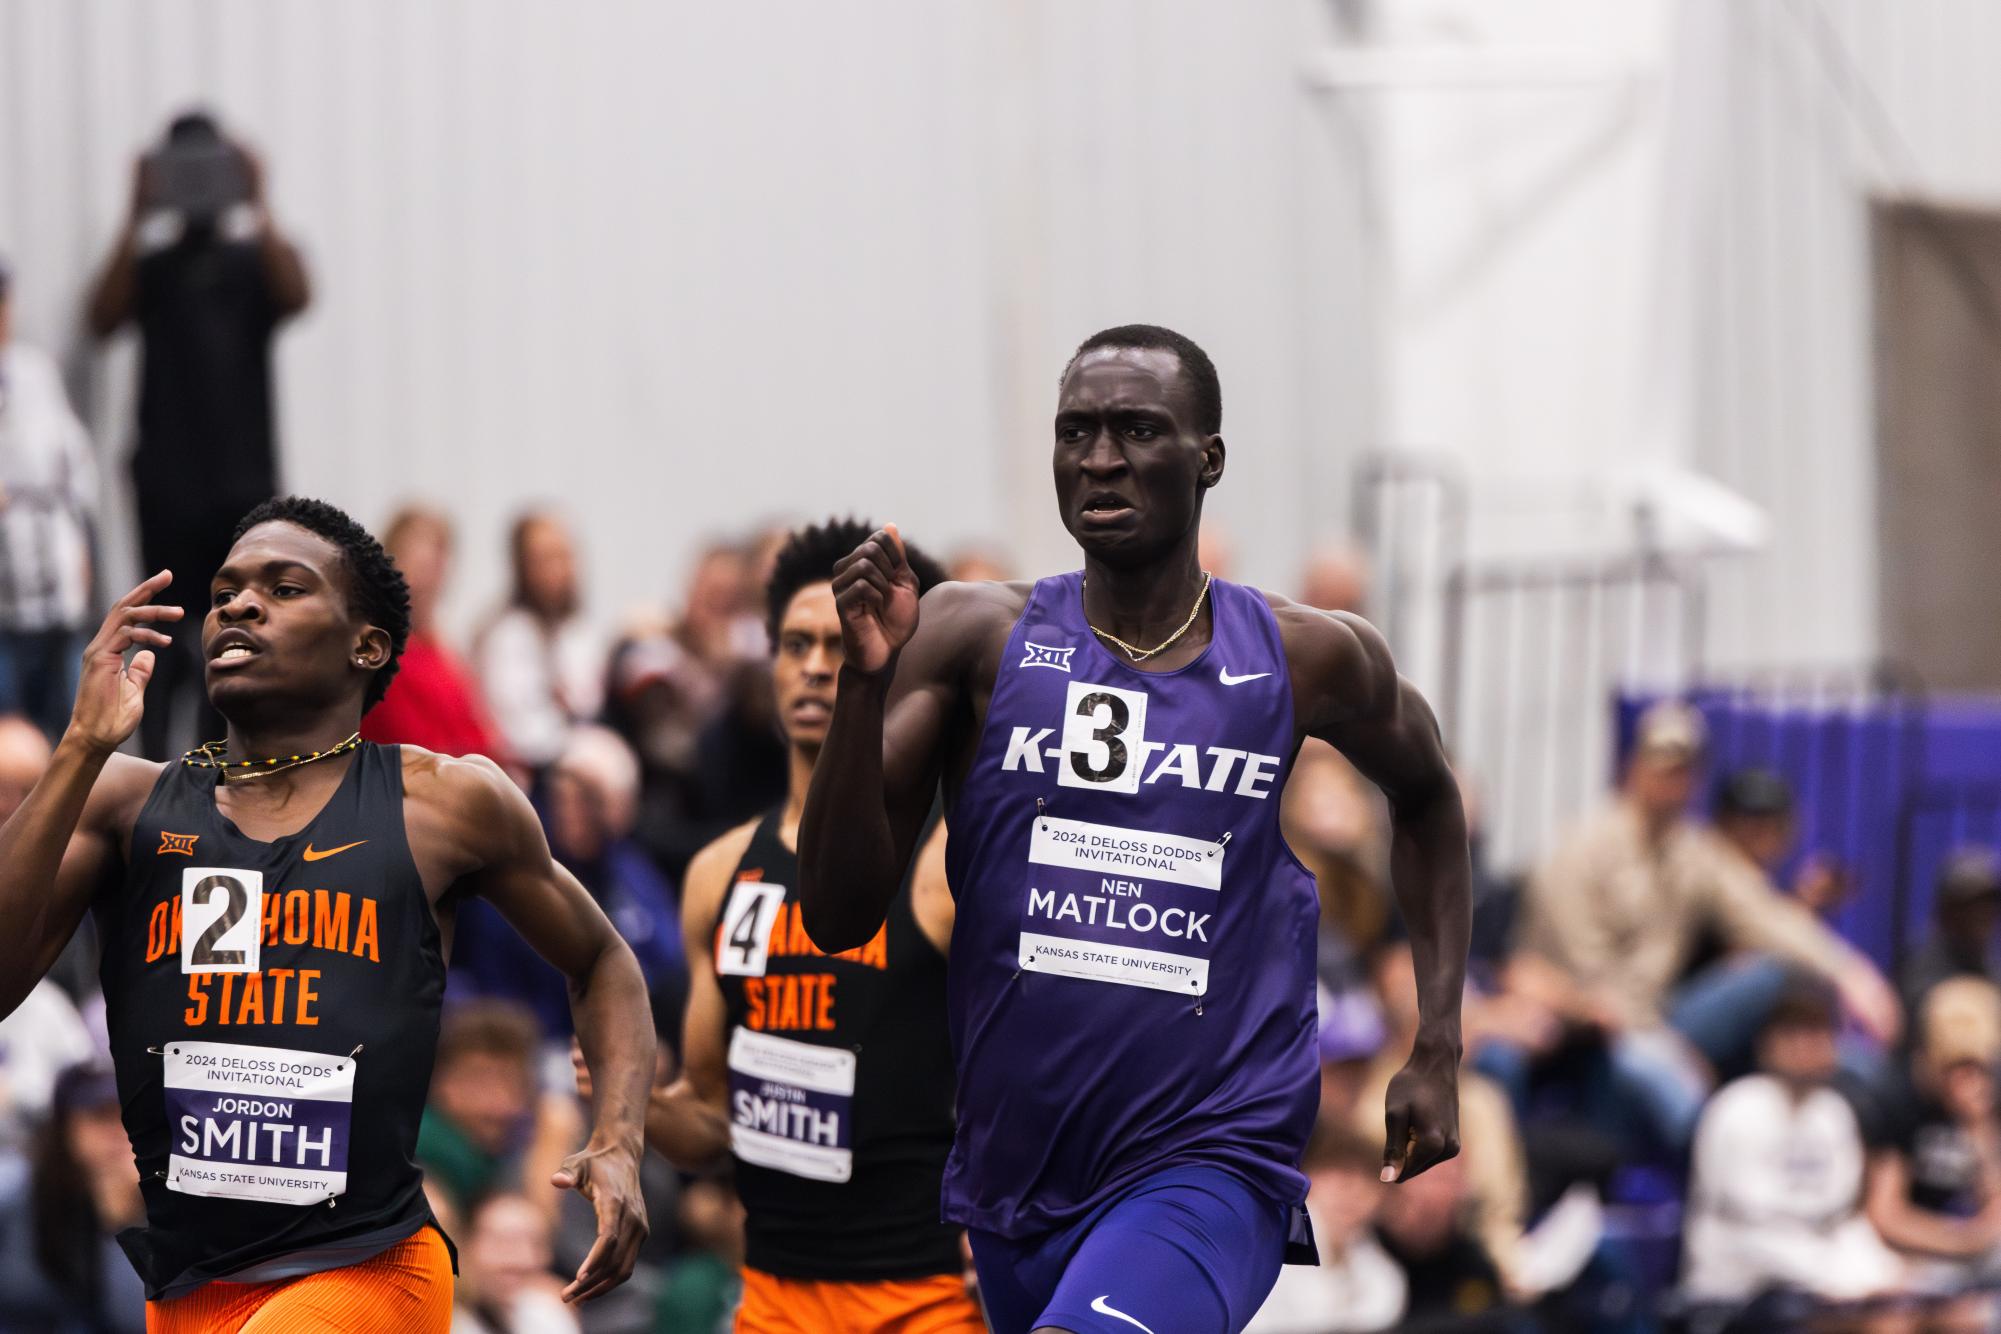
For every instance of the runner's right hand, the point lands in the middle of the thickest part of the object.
(110, 697)
(875, 591)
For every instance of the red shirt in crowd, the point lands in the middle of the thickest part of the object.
(433, 703)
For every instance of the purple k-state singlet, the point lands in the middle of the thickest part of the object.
(1132, 971)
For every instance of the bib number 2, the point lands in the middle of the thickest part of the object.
(222, 918)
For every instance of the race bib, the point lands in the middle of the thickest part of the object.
(222, 919)
(745, 944)
(792, 1105)
(1129, 906)
(257, 1123)
(1104, 738)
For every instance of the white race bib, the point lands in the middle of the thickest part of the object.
(792, 1105)
(257, 1123)
(1112, 904)
(222, 919)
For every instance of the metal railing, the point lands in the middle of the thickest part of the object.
(1534, 652)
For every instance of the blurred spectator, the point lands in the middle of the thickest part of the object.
(1754, 813)
(1753, 818)
(48, 496)
(1356, 1286)
(1935, 1172)
(1776, 1191)
(504, 1282)
(1452, 1282)
(1966, 909)
(592, 795)
(978, 564)
(1613, 913)
(207, 304)
(704, 1284)
(485, 1127)
(693, 698)
(719, 623)
(1495, 1188)
(433, 701)
(60, 1268)
(1333, 822)
(41, 1038)
(541, 665)
(1336, 579)
(24, 754)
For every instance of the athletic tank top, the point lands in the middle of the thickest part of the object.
(840, 1083)
(273, 1012)
(1132, 962)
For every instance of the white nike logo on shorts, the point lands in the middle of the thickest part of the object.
(1230, 680)
(1098, 1303)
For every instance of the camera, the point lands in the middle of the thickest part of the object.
(196, 172)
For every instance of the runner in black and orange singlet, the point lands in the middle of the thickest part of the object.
(275, 914)
(829, 1078)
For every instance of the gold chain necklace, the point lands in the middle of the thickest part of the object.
(1142, 654)
(209, 754)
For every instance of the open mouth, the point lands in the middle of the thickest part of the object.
(812, 711)
(1103, 509)
(232, 648)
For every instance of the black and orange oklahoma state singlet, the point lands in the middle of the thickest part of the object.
(273, 1010)
(840, 1081)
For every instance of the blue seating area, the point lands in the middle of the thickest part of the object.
(1888, 785)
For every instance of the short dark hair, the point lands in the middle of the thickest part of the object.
(375, 588)
(809, 556)
(1753, 794)
(1196, 368)
(1804, 1001)
(503, 1029)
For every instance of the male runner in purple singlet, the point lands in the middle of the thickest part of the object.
(1131, 986)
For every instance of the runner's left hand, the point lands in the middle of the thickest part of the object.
(608, 1176)
(1421, 1114)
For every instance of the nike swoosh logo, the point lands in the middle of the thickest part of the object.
(1098, 1303)
(1230, 680)
(313, 856)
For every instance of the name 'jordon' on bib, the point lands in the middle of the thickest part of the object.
(258, 1123)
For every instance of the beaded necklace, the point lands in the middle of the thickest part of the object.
(209, 754)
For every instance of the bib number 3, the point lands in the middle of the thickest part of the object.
(1104, 738)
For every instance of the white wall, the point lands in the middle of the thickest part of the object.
(679, 267)
(1659, 252)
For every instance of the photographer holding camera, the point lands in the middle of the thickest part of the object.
(207, 298)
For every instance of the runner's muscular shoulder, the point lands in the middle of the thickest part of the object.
(1340, 665)
(463, 815)
(961, 630)
(702, 890)
(953, 659)
(112, 808)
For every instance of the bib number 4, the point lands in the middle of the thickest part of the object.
(746, 933)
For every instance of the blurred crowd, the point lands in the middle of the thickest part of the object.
(1686, 1101)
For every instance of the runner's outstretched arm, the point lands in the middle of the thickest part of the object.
(555, 914)
(57, 847)
(688, 1122)
(900, 683)
(1350, 695)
